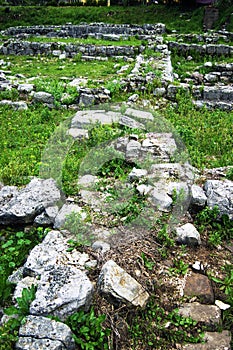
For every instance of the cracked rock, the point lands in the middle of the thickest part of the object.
(43, 333)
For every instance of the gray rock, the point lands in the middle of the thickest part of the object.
(159, 92)
(220, 193)
(130, 122)
(135, 113)
(65, 211)
(188, 234)
(25, 88)
(51, 253)
(87, 181)
(86, 100)
(133, 150)
(26, 282)
(118, 286)
(133, 98)
(43, 97)
(213, 341)
(42, 328)
(29, 202)
(29, 343)
(209, 314)
(7, 193)
(198, 197)
(159, 197)
(87, 118)
(18, 105)
(101, 246)
(77, 133)
(137, 174)
(61, 292)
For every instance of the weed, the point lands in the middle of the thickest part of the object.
(14, 248)
(218, 228)
(88, 330)
(149, 264)
(9, 330)
(158, 328)
(180, 268)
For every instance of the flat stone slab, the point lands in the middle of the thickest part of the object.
(209, 314)
(213, 341)
(82, 119)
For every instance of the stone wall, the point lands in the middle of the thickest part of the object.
(208, 49)
(83, 30)
(35, 48)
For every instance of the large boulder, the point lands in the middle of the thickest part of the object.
(24, 205)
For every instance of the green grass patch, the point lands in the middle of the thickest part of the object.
(174, 17)
(205, 133)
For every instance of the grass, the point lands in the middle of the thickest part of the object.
(174, 17)
(131, 41)
(54, 68)
(24, 134)
(205, 133)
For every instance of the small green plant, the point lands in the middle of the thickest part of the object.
(9, 330)
(163, 237)
(179, 268)
(226, 285)
(219, 228)
(89, 332)
(79, 227)
(148, 263)
(159, 329)
(14, 248)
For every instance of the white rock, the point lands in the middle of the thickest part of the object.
(188, 234)
(222, 305)
(118, 286)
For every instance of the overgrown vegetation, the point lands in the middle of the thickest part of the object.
(24, 134)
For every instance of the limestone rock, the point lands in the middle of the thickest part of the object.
(220, 193)
(29, 202)
(213, 341)
(51, 253)
(29, 343)
(188, 234)
(137, 174)
(118, 286)
(101, 246)
(198, 197)
(43, 97)
(199, 285)
(65, 211)
(61, 292)
(159, 197)
(39, 331)
(209, 314)
(85, 118)
(25, 88)
(17, 105)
